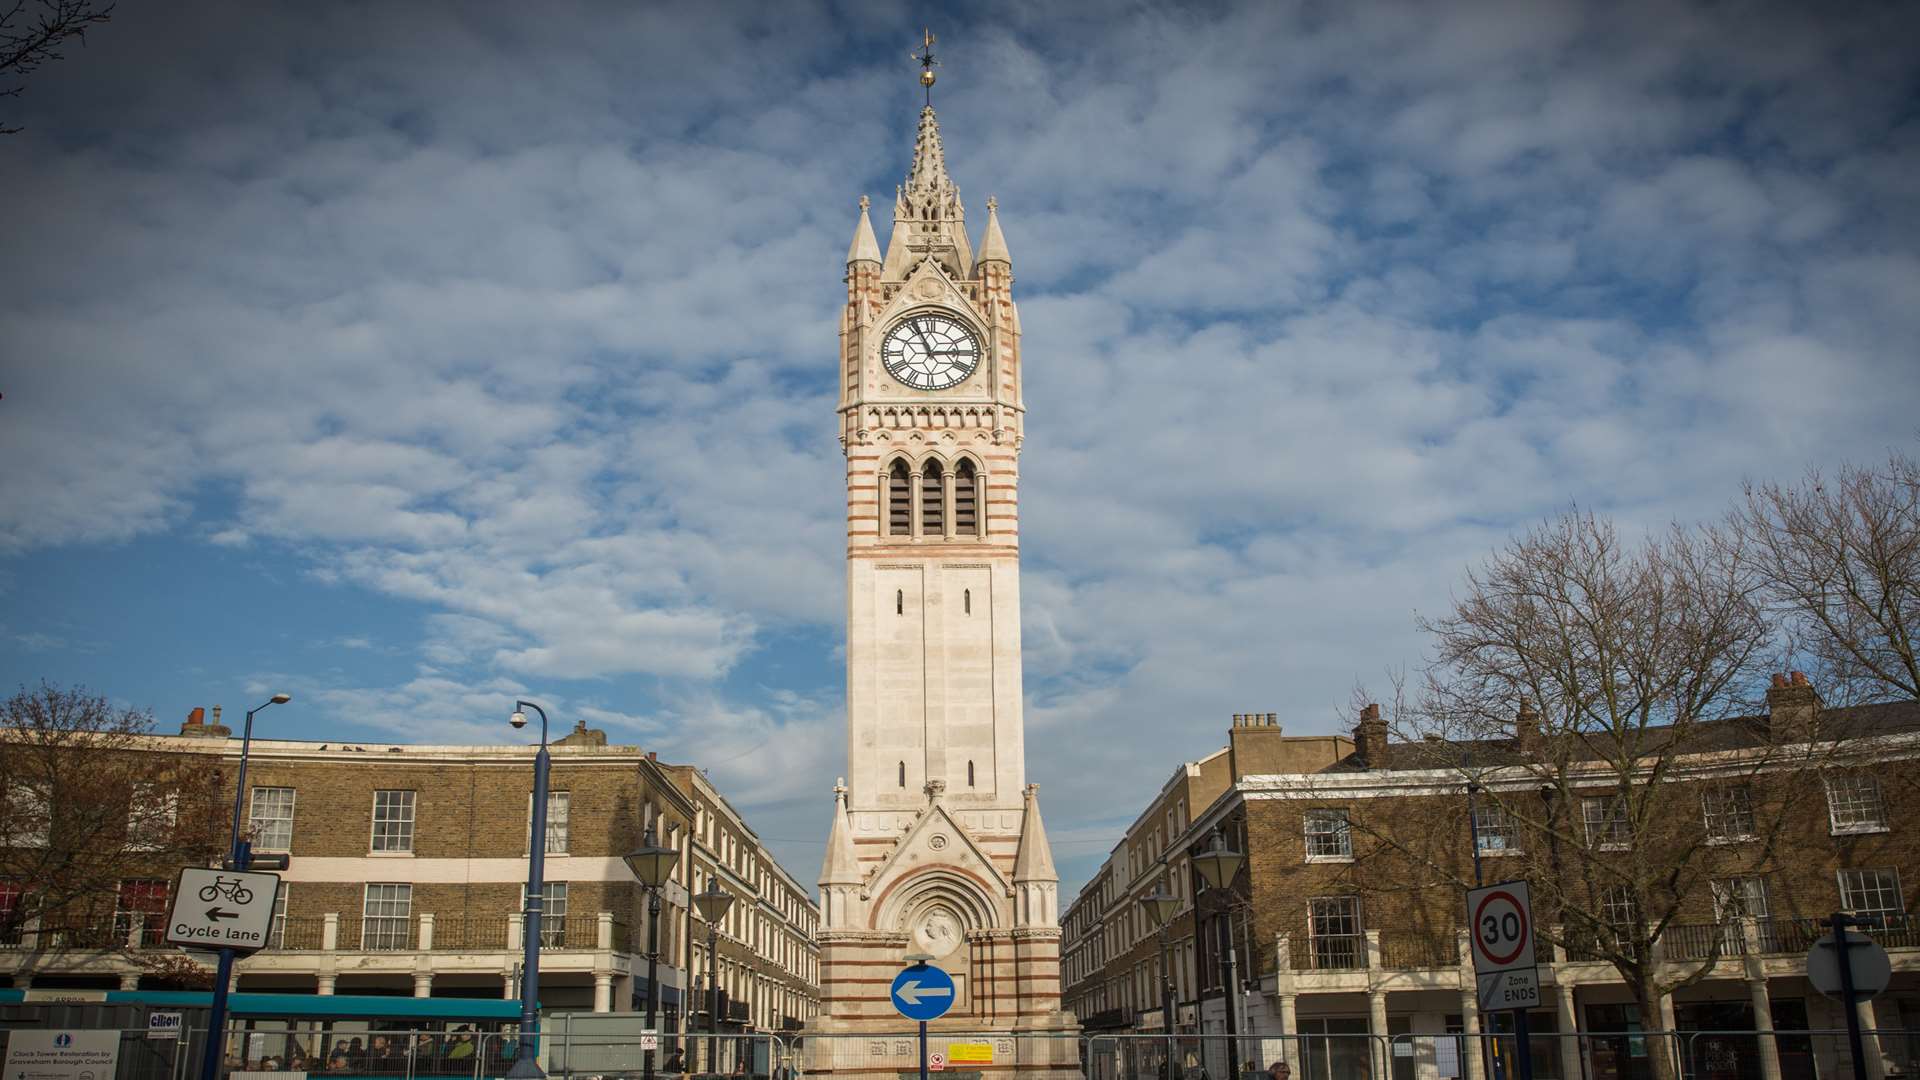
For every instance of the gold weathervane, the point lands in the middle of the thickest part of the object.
(927, 64)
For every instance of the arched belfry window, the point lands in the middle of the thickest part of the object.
(969, 774)
(933, 500)
(966, 500)
(899, 500)
(903, 774)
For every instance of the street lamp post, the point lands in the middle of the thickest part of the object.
(1161, 908)
(525, 1066)
(1218, 866)
(239, 853)
(652, 865)
(713, 903)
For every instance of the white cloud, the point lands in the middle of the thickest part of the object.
(526, 323)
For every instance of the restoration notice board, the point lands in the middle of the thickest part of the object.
(69, 1054)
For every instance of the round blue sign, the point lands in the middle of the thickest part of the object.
(923, 992)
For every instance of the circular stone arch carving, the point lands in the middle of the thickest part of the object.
(936, 891)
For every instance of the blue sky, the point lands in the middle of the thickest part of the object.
(412, 358)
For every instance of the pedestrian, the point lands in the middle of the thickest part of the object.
(1279, 1070)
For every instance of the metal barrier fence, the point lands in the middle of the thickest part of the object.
(466, 1055)
(1694, 1055)
(475, 1055)
(1025, 1054)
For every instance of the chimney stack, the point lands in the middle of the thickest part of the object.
(1793, 708)
(1370, 738)
(1526, 729)
(197, 727)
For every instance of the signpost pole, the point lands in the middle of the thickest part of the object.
(1841, 949)
(242, 853)
(923, 1050)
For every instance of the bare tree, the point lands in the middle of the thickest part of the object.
(33, 34)
(1575, 687)
(94, 823)
(1841, 563)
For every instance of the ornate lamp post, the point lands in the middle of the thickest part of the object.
(652, 865)
(525, 1067)
(713, 902)
(1218, 866)
(1161, 908)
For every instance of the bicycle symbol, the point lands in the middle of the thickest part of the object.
(235, 890)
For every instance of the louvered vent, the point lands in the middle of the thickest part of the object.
(933, 518)
(966, 501)
(899, 500)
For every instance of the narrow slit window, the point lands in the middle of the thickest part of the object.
(899, 601)
(903, 774)
(899, 500)
(966, 500)
(933, 501)
(966, 601)
(969, 774)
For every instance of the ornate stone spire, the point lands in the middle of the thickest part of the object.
(864, 248)
(993, 246)
(928, 218)
(929, 173)
(1034, 862)
(842, 866)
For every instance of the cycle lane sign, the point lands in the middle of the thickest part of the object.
(1500, 923)
(222, 909)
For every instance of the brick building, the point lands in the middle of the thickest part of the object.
(1340, 925)
(408, 865)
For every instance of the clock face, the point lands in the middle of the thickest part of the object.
(930, 352)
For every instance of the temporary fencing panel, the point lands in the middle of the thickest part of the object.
(962, 1053)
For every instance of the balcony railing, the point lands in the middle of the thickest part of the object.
(1792, 935)
(1337, 952)
(1699, 941)
(475, 933)
(1415, 950)
(303, 933)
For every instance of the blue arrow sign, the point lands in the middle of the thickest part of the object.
(923, 992)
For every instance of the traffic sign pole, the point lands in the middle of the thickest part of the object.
(216, 1044)
(1500, 922)
(923, 1050)
(1842, 947)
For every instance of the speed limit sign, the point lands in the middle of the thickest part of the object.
(1500, 923)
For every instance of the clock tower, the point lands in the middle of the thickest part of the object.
(936, 846)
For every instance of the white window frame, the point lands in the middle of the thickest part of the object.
(1609, 828)
(559, 827)
(1320, 917)
(143, 823)
(400, 816)
(553, 914)
(1494, 832)
(277, 936)
(1335, 837)
(1886, 887)
(388, 920)
(27, 803)
(1862, 810)
(258, 822)
(1618, 912)
(1726, 812)
(1740, 895)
